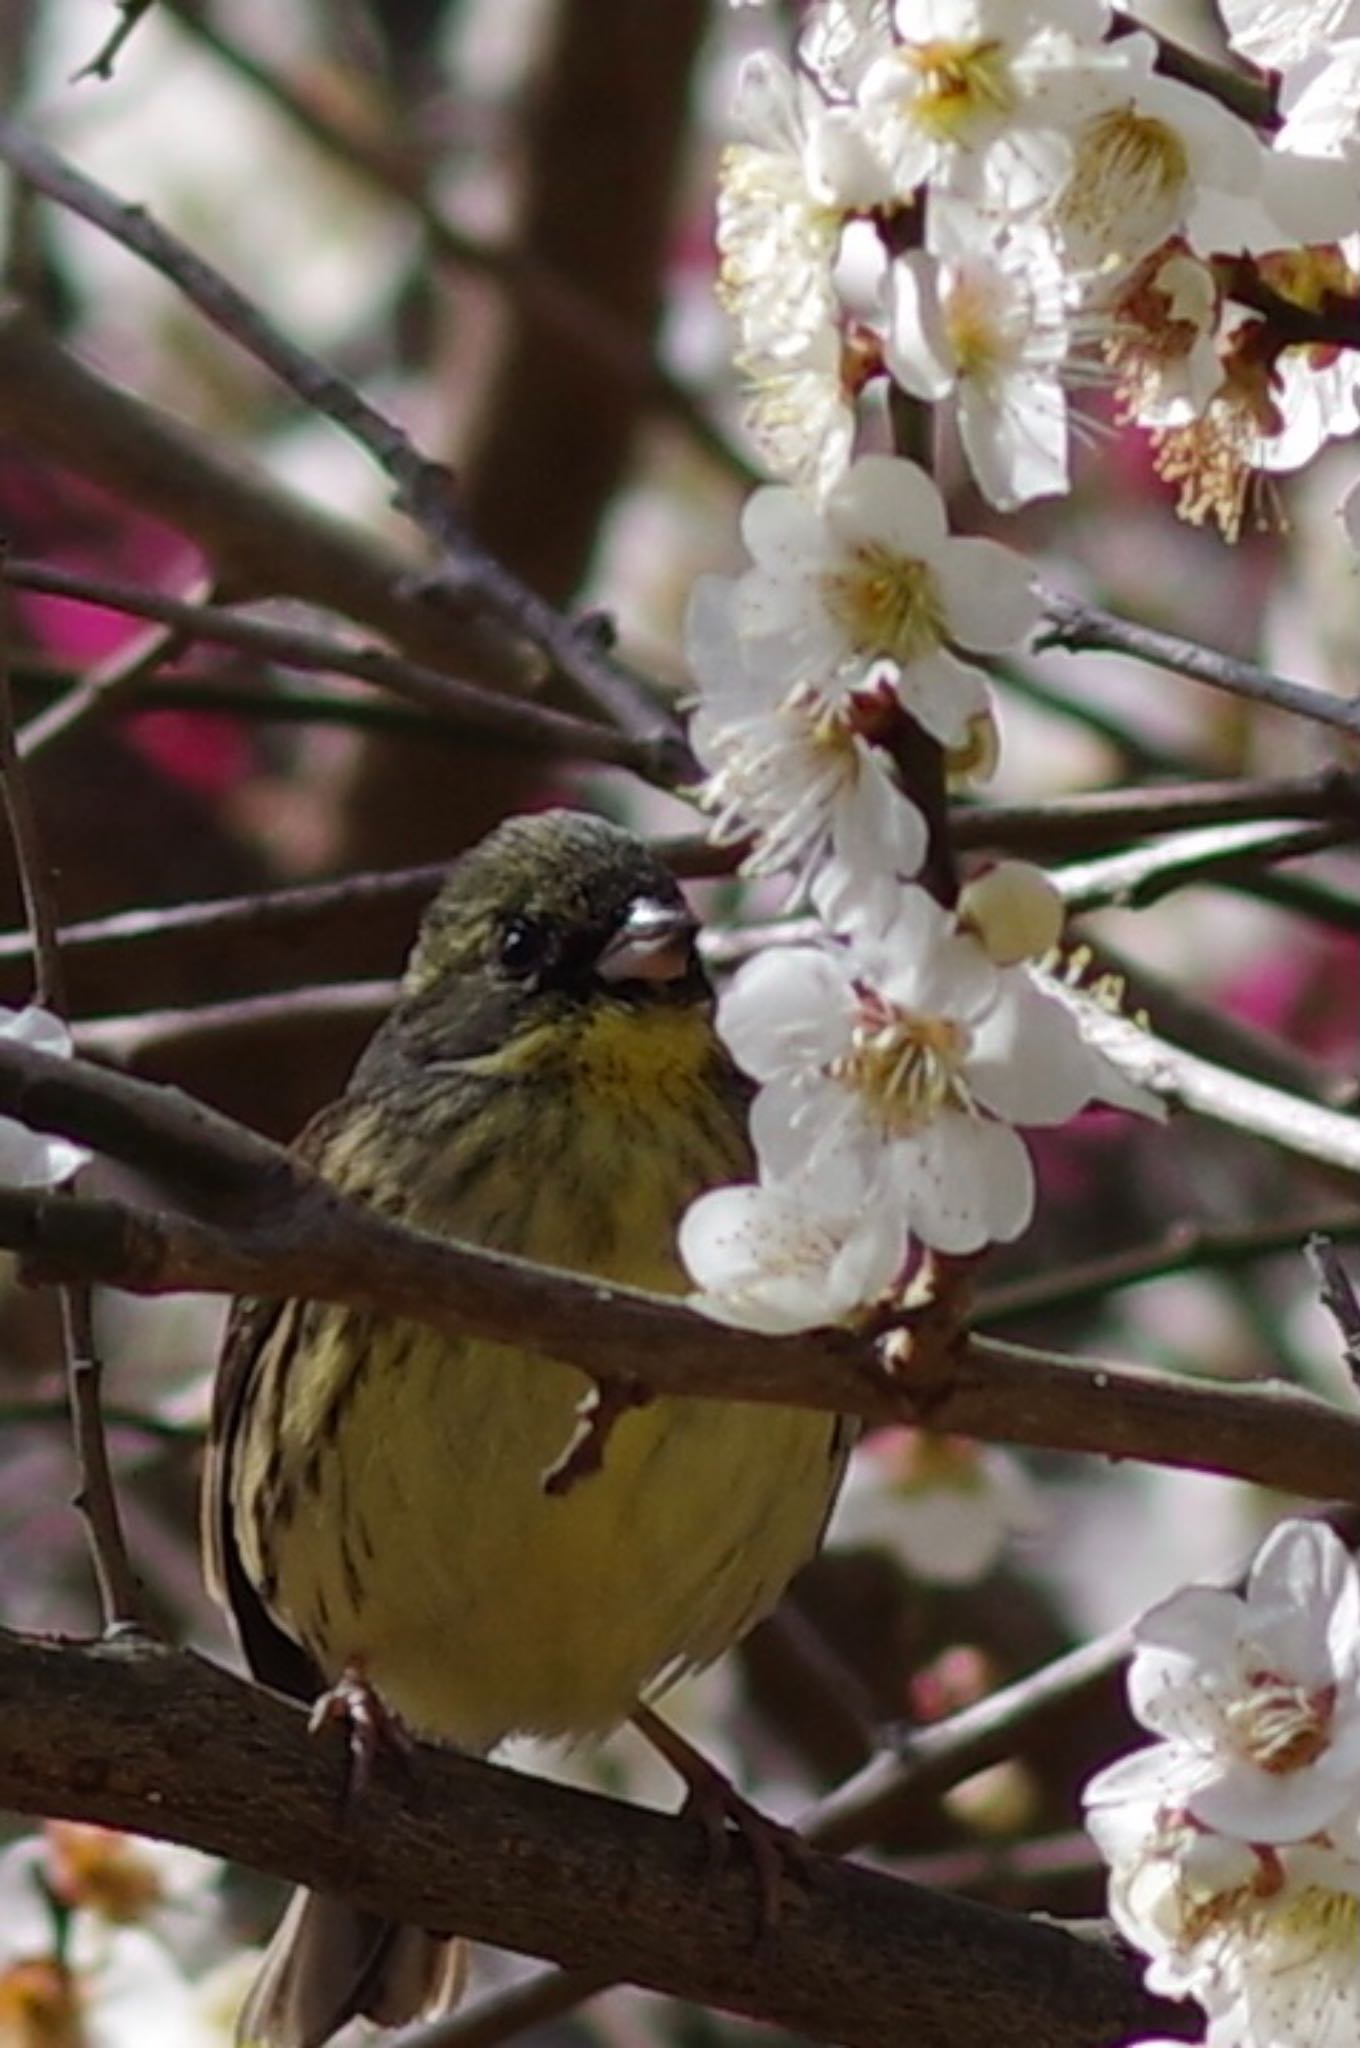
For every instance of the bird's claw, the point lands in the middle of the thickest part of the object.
(369, 1727)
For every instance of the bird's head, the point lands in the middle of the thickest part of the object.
(550, 914)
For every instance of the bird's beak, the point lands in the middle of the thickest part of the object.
(655, 942)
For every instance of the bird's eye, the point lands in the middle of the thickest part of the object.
(524, 945)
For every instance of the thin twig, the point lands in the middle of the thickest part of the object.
(106, 56)
(1087, 628)
(466, 578)
(501, 716)
(130, 1041)
(106, 684)
(1142, 875)
(96, 1499)
(136, 1421)
(1252, 97)
(1183, 1079)
(1188, 1246)
(1339, 1298)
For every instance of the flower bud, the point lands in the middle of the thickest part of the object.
(1014, 911)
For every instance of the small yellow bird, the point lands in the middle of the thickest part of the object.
(548, 1083)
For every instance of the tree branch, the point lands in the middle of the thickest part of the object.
(1083, 628)
(287, 1233)
(536, 727)
(167, 1744)
(1222, 854)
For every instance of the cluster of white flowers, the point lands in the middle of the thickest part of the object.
(976, 202)
(894, 1058)
(996, 201)
(1234, 1840)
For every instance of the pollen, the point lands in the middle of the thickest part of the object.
(1211, 458)
(977, 331)
(887, 604)
(906, 1067)
(1279, 1726)
(1128, 176)
(39, 2006)
(958, 84)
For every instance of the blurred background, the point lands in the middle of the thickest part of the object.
(496, 216)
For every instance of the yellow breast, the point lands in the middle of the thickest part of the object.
(420, 1542)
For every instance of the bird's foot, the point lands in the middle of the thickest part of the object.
(369, 1727)
(777, 1852)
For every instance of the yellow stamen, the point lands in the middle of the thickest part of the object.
(959, 82)
(888, 604)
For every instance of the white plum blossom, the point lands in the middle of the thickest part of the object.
(1153, 158)
(1266, 1940)
(774, 1258)
(1259, 1693)
(1163, 341)
(1234, 1841)
(840, 39)
(967, 99)
(800, 411)
(985, 316)
(786, 764)
(784, 197)
(944, 1507)
(1322, 121)
(894, 1062)
(1291, 1977)
(30, 1159)
(871, 585)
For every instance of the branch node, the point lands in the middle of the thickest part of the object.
(599, 1409)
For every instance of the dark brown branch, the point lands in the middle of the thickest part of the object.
(1087, 628)
(1335, 323)
(164, 1743)
(288, 1234)
(1249, 95)
(497, 715)
(205, 1158)
(1066, 827)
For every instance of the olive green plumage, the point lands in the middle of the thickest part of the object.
(548, 1083)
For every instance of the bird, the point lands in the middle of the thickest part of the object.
(377, 1508)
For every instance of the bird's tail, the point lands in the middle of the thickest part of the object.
(330, 1963)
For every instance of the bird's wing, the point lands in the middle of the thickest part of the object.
(252, 1327)
(273, 1657)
